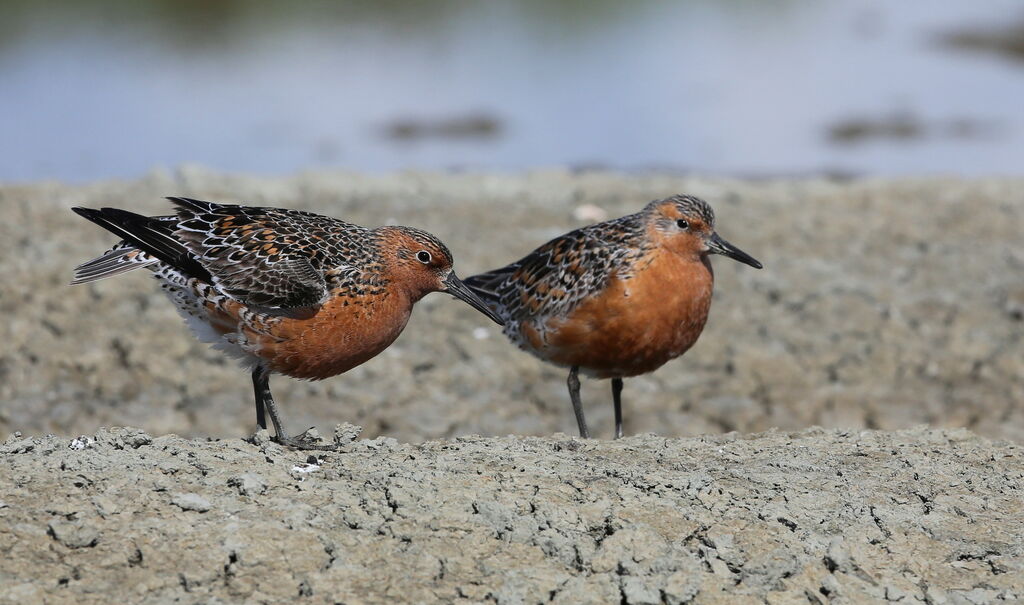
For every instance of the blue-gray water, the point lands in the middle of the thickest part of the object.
(113, 88)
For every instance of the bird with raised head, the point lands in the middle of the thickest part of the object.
(616, 299)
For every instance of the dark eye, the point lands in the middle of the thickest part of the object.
(683, 223)
(423, 256)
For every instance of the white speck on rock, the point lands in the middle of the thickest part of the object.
(81, 442)
(481, 333)
(191, 502)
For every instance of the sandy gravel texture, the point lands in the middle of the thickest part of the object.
(916, 516)
(883, 304)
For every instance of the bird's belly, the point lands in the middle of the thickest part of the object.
(634, 325)
(201, 308)
(336, 339)
(340, 335)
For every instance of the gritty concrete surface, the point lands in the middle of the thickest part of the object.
(883, 304)
(820, 516)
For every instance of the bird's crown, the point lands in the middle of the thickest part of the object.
(682, 205)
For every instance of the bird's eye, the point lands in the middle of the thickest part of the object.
(423, 256)
(683, 223)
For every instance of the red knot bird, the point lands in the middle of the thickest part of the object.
(615, 299)
(283, 291)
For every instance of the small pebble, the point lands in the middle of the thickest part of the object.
(74, 534)
(261, 437)
(248, 484)
(346, 433)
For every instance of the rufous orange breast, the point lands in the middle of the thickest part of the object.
(635, 325)
(343, 333)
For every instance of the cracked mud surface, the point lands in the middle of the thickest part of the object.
(883, 304)
(917, 516)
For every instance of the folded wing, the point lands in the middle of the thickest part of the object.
(264, 257)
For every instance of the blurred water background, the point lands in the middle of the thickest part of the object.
(95, 89)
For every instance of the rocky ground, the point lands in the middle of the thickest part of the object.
(917, 516)
(883, 305)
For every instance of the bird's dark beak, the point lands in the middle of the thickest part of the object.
(717, 245)
(455, 287)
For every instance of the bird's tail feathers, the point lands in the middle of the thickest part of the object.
(120, 259)
(152, 235)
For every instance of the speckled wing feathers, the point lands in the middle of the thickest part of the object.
(272, 257)
(554, 278)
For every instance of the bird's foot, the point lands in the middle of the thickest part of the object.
(308, 440)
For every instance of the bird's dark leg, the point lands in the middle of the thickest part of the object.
(257, 375)
(577, 405)
(264, 399)
(617, 399)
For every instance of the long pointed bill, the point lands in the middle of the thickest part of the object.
(718, 245)
(459, 290)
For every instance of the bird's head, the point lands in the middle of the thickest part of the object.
(422, 264)
(686, 225)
